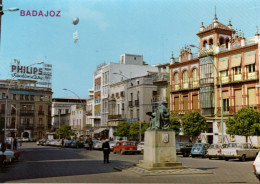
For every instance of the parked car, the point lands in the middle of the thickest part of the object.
(140, 147)
(124, 147)
(25, 139)
(97, 145)
(41, 142)
(67, 143)
(199, 149)
(57, 142)
(86, 145)
(214, 151)
(185, 151)
(76, 144)
(112, 144)
(256, 166)
(242, 151)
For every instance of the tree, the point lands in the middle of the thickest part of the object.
(193, 124)
(123, 129)
(134, 128)
(246, 122)
(65, 131)
(175, 124)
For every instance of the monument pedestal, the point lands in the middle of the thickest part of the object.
(160, 151)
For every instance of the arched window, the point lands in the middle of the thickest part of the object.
(227, 41)
(221, 41)
(185, 79)
(195, 78)
(211, 43)
(205, 43)
(176, 81)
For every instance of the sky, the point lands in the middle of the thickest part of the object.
(107, 29)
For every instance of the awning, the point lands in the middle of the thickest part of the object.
(249, 58)
(236, 60)
(223, 64)
(99, 130)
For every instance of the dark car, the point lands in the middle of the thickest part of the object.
(67, 143)
(180, 145)
(77, 144)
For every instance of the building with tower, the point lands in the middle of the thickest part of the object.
(227, 62)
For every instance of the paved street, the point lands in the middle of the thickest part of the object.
(56, 165)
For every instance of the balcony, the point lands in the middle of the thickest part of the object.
(137, 103)
(41, 113)
(159, 98)
(238, 77)
(185, 86)
(252, 76)
(183, 112)
(163, 77)
(130, 103)
(89, 113)
(118, 116)
(206, 52)
(27, 112)
(26, 126)
(40, 125)
(113, 123)
(234, 109)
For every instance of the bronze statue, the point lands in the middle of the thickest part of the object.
(160, 119)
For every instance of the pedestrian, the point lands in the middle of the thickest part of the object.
(106, 151)
(15, 143)
(90, 143)
(3, 147)
(62, 142)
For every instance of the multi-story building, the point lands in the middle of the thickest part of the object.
(130, 66)
(130, 100)
(62, 110)
(224, 56)
(28, 108)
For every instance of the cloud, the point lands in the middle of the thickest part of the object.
(86, 14)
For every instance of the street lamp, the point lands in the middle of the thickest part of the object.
(6, 98)
(2, 12)
(84, 113)
(221, 97)
(139, 109)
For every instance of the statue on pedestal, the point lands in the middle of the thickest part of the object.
(160, 119)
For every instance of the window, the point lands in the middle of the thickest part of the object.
(205, 44)
(237, 70)
(224, 73)
(21, 97)
(227, 41)
(26, 97)
(176, 78)
(194, 74)
(14, 96)
(131, 114)
(32, 97)
(210, 43)
(3, 95)
(251, 68)
(225, 105)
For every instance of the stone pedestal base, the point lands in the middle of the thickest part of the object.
(160, 151)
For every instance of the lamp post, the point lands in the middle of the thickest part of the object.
(2, 12)
(139, 109)
(6, 98)
(84, 113)
(220, 93)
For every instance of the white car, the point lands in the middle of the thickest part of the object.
(256, 166)
(112, 144)
(140, 147)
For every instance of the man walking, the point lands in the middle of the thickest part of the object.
(106, 151)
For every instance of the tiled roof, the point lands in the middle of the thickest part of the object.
(219, 26)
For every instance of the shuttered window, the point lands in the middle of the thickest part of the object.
(176, 103)
(251, 97)
(238, 100)
(195, 104)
